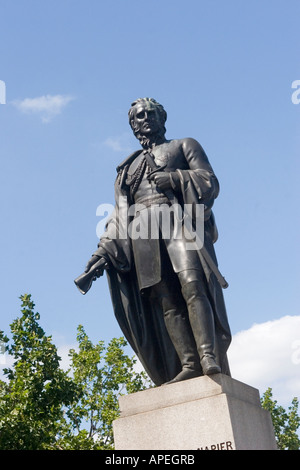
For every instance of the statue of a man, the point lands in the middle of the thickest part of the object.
(166, 297)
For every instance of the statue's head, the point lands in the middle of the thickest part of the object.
(147, 119)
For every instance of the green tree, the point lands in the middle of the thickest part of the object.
(31, 401)
(103, 374)
(45, 407)
(285, 423)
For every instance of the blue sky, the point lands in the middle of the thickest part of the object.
(224, 73)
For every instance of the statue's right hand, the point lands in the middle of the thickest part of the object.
(94, 268)
(91, 262)
(96, 265)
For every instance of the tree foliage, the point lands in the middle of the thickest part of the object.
(102, 374)
(44, 407)
(285, 423)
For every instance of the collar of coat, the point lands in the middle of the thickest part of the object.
(129, 160)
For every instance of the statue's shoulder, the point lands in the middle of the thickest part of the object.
(122, 169)
(184, 142)
(189, 142)
(189, 145)
(128, 160)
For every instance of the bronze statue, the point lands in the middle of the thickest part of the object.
(166, 293)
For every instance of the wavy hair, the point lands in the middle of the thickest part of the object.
(161, 113)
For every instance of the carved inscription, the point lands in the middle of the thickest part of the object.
(227, 445)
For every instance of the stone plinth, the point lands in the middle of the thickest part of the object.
(206, 413)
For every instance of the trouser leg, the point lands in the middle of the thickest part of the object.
(179, 329)
(182, 338)
(201, 319)
(187, 265)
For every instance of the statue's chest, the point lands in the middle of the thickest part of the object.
(167, 155)
(170, 156)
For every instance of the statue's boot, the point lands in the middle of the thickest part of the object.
(182, 338)
(202, 324)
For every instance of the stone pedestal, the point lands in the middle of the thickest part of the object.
(206, 413)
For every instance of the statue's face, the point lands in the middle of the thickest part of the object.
(146, 120)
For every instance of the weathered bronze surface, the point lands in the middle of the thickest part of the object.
(166, 292)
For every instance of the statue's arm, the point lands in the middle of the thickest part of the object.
(199, 170)
(195, 155)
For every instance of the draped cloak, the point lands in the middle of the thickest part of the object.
(140, 319)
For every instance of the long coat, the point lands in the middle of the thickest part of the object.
(140, 320)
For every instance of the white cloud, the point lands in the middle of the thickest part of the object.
(120, 143)
(268, 355)
(47, 106)
(63, 352)
(265, 355)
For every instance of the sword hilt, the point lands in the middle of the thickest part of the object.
(159, 168)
